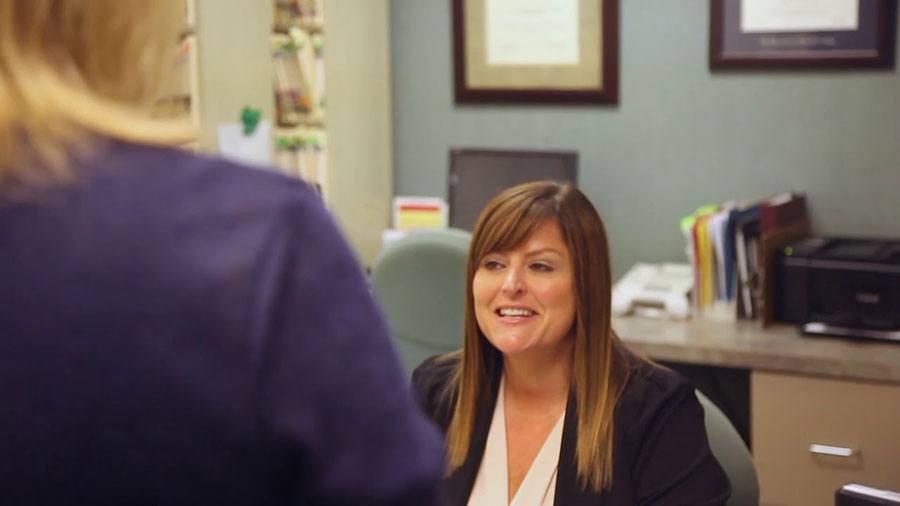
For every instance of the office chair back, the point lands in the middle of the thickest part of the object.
(420, 281)
(732, 453)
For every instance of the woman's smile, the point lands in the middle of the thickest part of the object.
(515, 314)
(525, 297)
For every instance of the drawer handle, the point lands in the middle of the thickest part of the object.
(834, 451)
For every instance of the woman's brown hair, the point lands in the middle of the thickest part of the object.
(599, 368)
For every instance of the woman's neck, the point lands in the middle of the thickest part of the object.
(539, 377)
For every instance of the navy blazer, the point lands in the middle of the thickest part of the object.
(661, 454)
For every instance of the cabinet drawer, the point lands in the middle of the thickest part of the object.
(791, 413)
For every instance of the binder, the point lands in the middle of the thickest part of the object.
(730, 254)
(717, 227)
(746, 234)
(782, 220)
(702, 254)
(705, 262)
(782, 210)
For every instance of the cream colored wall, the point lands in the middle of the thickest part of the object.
(358, 82)
(235, 69)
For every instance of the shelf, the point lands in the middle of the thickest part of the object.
(304, 14)
(190, 15)
(308, 26)
(180, 92)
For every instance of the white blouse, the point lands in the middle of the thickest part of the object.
(491, 486)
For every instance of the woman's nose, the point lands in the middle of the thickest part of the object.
(513, 284)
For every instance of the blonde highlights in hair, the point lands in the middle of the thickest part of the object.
(73, 68)
(600, 365)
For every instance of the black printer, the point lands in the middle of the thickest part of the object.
(840, 286)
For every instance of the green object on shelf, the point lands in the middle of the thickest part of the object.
(318, 46)
(688, 221)
(250, 118)
(298, 37)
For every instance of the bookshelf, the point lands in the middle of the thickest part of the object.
(178, 97)
(350, 125)
(301, 120)
(350, 114)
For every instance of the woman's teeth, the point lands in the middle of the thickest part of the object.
(515, 312)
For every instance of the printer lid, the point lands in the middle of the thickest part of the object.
(850, 249)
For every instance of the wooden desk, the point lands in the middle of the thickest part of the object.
(804, 391)
(780, 348)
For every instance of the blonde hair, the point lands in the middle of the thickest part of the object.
(601, 364)
(72, 69)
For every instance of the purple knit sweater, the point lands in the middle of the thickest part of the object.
(182, 330)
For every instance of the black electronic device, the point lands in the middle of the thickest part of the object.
(841, 286)
(477, 175)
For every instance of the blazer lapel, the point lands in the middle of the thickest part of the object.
(568, 491)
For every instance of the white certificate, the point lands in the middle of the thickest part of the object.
(799, 15)
(532, 32)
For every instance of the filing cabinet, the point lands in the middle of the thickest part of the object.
(811, 435)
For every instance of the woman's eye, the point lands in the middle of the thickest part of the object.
(492, 265)
(541, 267)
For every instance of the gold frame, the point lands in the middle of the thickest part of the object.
(594, 79)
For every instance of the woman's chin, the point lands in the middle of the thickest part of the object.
(512, 345)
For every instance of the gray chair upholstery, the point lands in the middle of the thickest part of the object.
(420, 282)
(732, 453)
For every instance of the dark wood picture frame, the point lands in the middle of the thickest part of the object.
(606, 90)
(871, 45)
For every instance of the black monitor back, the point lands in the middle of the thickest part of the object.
(477, 175)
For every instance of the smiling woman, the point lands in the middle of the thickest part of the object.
(544, 404)
(524, 298)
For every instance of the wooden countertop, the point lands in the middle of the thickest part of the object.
(745, 344)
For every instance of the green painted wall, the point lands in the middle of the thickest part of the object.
(680, 136)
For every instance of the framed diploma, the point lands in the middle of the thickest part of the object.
(550, 51)
(802, 33)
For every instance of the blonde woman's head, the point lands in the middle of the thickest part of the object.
(72, 69)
